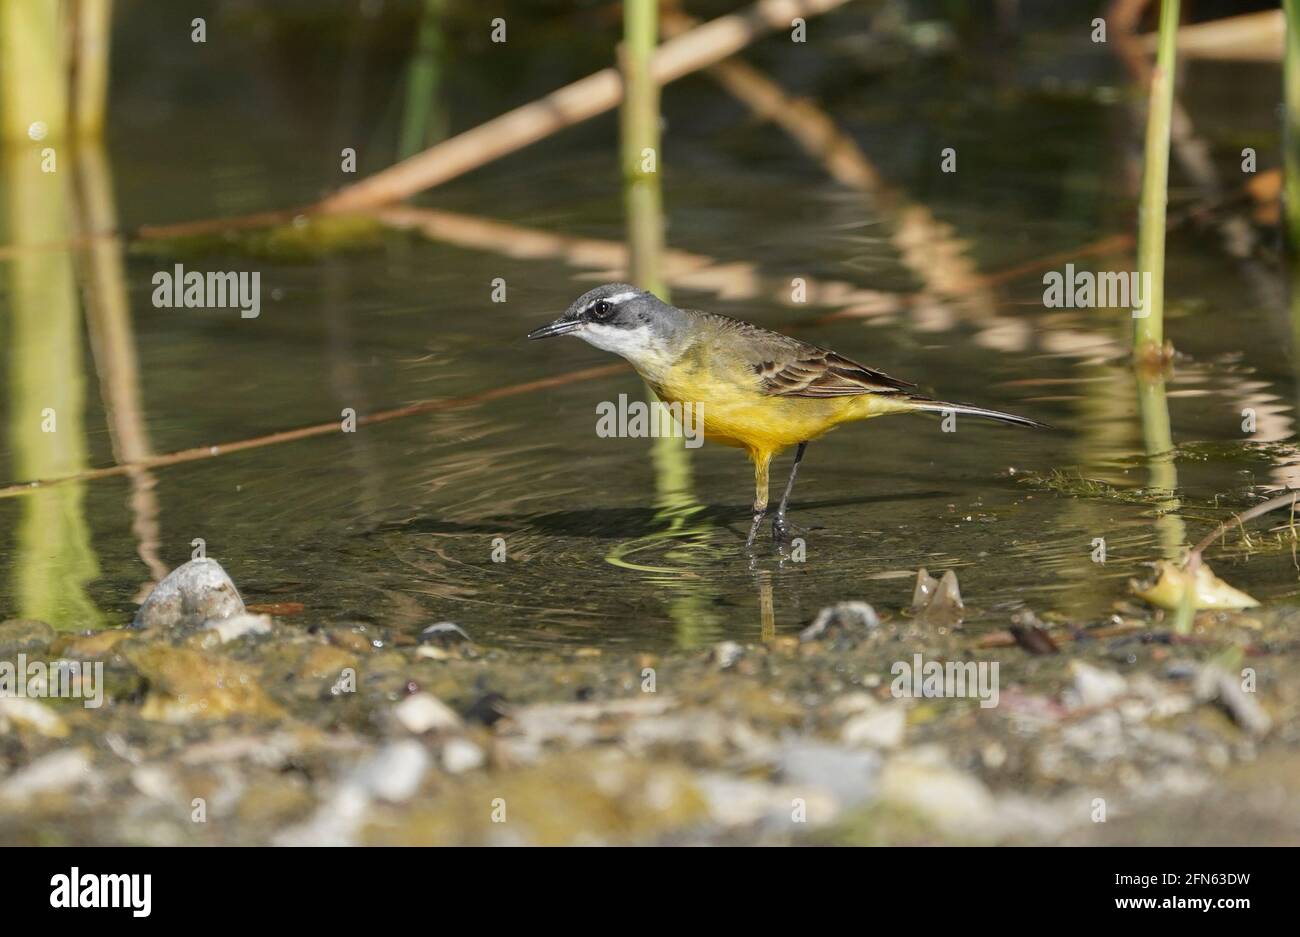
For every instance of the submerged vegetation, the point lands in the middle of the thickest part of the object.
(305, 238)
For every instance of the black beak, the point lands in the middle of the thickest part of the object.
(558, 327)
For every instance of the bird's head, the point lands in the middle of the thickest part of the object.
(621, 318)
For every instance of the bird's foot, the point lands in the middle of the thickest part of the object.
(785, 533)
(780, 531)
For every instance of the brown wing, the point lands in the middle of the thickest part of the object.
(785, 366)
(816, 372)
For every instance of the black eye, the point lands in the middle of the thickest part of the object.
(602, 310)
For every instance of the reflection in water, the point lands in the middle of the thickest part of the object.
(676, 507)
(1153, 407)
(396, 522)
(112, 339)
(766, 607)
(47, 391)
(684, 527)
(1293, 317)
(927, 246)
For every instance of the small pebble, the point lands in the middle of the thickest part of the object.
(880, 728)
(394, 772)
(460, 755)
(1094, 686)
(24, 636)
(422, 712)
(194, 593)
(238, 626)
(444, 634)
(52, 773)
(1214, 684)
(16, 711)
(846, 616)
(726, 653)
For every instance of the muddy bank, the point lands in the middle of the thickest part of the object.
(260, 727)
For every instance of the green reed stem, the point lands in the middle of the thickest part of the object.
(640, 145)
(91, 39)
(421, 115)
(1148, 336)
(33, 79)
(1291, 137)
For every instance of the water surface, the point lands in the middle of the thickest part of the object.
(604, 543)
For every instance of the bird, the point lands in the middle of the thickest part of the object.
(756, 389)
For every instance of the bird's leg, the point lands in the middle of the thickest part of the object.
(779, 531)
(761, 462)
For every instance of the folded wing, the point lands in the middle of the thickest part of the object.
(816, 372)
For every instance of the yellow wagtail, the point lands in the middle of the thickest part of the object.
(759, 390)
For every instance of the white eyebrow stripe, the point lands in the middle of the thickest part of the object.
(619, 298)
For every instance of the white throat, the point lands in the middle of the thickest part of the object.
(640, 346)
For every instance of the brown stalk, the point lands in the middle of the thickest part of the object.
(199, 453)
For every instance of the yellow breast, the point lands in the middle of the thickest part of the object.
(737, 412)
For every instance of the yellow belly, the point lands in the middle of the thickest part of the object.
(736, 415)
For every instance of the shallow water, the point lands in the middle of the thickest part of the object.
(604, 545)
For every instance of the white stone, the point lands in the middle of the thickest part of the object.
(191, 594)
(231, 629)
(394, 773)
(58, 771)
(1096, 687)
(461, 755)
(879, 728)
(31, 714)
(422, 712)
(924, 781)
